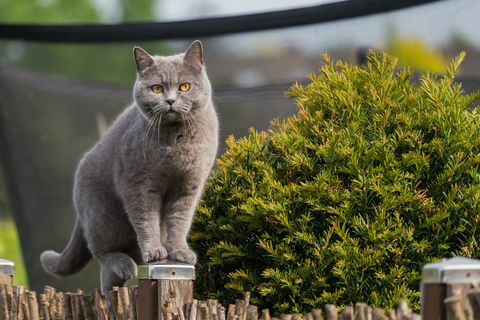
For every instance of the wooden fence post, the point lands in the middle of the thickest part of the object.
(441, 281)
(164, 289)
(7, 270)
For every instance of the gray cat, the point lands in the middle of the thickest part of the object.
(137, 189)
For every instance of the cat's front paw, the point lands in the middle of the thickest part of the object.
(155, 254)
(183, 255)
(125, 268)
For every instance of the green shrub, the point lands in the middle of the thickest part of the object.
(347, 200)
(10, 250)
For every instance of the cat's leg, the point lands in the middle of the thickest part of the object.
(144, 215)
(107, 229)
(178, 218)
(109, 279)
(163, 228)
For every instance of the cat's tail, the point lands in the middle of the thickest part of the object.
(73, 258)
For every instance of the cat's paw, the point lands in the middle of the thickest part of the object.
(183, 255)
(155, 254)
(125, 268)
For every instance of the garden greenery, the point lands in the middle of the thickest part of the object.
(375, 176)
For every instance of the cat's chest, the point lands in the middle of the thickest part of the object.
(160, 164)
(177, 154)
(167, 154)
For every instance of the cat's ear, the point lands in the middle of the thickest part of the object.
(194, 55)
(142, 59)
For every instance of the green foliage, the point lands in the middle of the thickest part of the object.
(47, 11)
(10, 250)
(416, 55)
(66, 11)
(347, 200)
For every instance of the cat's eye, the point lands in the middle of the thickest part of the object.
(184, 87)
(156, 88)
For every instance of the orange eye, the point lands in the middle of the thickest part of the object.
(156, 88)
(184, 87)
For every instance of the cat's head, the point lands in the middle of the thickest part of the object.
(175, 87)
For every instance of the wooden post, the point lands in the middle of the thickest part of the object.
(7, 270)
(165, 286)
(438, 277)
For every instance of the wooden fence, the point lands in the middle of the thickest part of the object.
(17, 302)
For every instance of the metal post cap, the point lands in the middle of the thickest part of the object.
(167, 270)
(454, 270)
(7, 268)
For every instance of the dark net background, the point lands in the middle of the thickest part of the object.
(56, 100)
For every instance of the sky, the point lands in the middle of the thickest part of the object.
(433, 24)
(187, 9)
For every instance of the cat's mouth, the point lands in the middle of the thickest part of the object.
(156, 109)
(165, 112)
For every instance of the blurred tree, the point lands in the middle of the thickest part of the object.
(414, 53)
(10, 250)
(137, 10)
(4, 209)
(98, 62)
(47, 11)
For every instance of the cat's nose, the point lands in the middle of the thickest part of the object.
(170, 101)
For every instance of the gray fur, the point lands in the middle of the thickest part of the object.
(137, 189)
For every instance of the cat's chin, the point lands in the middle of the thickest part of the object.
(167, 117)
(171, 117)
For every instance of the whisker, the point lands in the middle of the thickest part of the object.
(189, 124)
(158, 127)
(154, 126)
(146, 133)
(183, 107)
(195, 121)
(184, 130)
